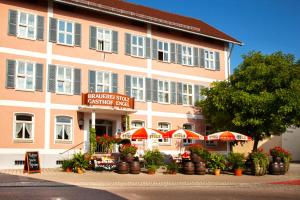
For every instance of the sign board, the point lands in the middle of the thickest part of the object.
(32, 162)
(108, 99)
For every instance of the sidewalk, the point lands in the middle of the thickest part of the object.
(93, 179)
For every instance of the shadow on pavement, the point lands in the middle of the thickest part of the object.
(21, 187)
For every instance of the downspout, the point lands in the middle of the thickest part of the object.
(228, 59)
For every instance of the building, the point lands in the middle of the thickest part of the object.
(53, 53)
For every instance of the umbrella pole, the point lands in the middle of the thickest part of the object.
(227, 147)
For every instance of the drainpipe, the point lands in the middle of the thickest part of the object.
(228, 58)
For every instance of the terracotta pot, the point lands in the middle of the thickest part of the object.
(217, 172)
(69, 169)
(238, 172)
(151, 172)
(80, 170)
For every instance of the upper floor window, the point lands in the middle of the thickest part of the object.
(209, 60)
(187, 55)
(137, 46)
(137, 124)
(23, 126)
(137, 89)
(104, 39)
(187, 94)
(25, 73)
(27, 25)
(65, 32)
(163, 92)
(163, 51)
(164, 127)
(64, 80)
(63, 128)
(103, 82)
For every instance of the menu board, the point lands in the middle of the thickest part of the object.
(32, 162)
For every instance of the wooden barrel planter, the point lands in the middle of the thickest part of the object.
(195, 158)
(188, 168)
(134, 167)
(123, 168)
(200, 168)
(277, 167)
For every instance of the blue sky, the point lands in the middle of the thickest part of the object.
(262, 25)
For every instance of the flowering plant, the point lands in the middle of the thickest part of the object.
(199, 150)
(128, 149)
(106, 142)
(280, 152)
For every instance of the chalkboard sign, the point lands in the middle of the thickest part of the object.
(32, 162)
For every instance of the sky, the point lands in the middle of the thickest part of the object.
(262, 25)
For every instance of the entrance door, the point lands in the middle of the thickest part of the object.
(103, 127)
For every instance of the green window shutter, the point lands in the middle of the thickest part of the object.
(173, 53)
(202, 58)
(217, 61)
(114, 80)
(179, 93)
(77, 34)
(10, 73)
(114, 41)
(128, 44)
(40, 28)
(196, 93)
(179, 53)
(93, 37)
(148, 89)
(53, 30)
(148, 47)
(52, 78)
(128, 85)
(196, 57)
(154, 49)
(173, 92)
(77, 82)
(12, 22)
(39, 69)
(154, 90)
(92, 81)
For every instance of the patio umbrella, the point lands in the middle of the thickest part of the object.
(227, 136)
(183, 134)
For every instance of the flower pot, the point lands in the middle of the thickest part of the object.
(151, 171)
(69, 169)
(238, 172)
(217, 172)
(79, 170)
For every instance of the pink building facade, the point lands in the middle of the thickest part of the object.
(52, 52)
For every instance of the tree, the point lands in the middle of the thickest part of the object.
(261, 98)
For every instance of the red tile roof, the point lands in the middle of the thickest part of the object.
(155, 16)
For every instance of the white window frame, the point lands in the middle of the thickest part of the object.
(137, 141)
(103, 39)
(137, 87)
(209, 62)
(64, 80)
(65, 32)
(137, 46)
(59, 141)
(163, 51)
(25, 75)
(186, 56)
(26, 25)
(23, 139)
(164, 141)
(164, 91)
(103, 82)
(188, 94)
(201, 97)
(188, 141)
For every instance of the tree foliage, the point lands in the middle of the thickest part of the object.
(261, 98)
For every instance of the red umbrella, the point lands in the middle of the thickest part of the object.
(228, 136)
(184, 134)
(143, 133)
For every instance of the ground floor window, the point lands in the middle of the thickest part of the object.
(23, 126)
(63, 129)
(164, 127)
(189, 127)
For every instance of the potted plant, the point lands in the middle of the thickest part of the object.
(216, 162)
(151, 169)
(127, 152)
(281, 154)
(154, 159)
(198, 153)
(80, 164)
(260, 162)
(172, 168)
(236, 162)
(67, 165)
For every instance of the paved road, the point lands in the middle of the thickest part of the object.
(148, 193)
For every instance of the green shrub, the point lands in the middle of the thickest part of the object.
(216, 161)
(236, 160)
(67, 163)
(154, 157)
(79, 161)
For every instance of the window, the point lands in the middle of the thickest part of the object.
(103, 82)
(26, 25)
(163, 92)
(23, 127)
(191, 128)
(187, 94)
(164, 127)
(137, 124)
(65, 32)
(63, 128)
(64, 80)
(25, 73)
(201, 97)
(137, 46)
(163, 51)
(209, 60)
(103, 40)
(187, 55)
(137, 90)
